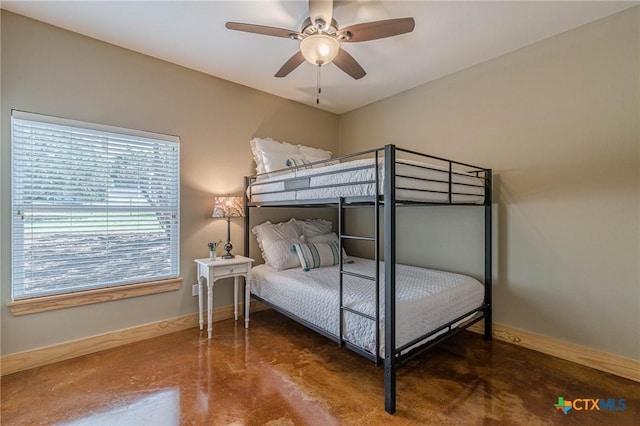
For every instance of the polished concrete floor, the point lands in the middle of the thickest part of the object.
(279, 373)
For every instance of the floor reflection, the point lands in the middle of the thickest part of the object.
(160, 408)
(237, 386)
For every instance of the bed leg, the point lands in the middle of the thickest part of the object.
(389, 386)
(488, 334)
(247, 299)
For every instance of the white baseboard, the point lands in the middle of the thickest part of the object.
(20, 361)
(614, 364)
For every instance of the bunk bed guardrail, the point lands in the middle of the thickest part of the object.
(446, 181)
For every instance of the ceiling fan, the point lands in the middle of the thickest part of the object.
(320, 38)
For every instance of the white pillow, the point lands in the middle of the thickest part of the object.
(316, 153)
(279, 231)
(258, 145)
(275, 160)
(315, 255)
(290, 230)
(280, 254)
(320, 238)
(313, 227)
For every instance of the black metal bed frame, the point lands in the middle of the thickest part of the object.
(393, 358)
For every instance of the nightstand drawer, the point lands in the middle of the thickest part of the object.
(221, 271)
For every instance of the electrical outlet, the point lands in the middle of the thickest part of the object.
(195, 289)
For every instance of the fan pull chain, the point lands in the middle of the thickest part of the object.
(318, 85)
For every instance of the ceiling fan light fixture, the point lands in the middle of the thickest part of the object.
(319, 49)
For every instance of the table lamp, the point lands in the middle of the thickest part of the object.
(228, 207)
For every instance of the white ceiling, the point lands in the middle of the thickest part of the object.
(449, 36)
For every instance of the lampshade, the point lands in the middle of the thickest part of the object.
(227, 206)
(319, 49)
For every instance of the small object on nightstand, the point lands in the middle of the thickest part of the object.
(212, 250)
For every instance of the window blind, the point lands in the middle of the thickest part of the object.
(93, 206)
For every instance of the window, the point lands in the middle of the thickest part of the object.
(93, 206)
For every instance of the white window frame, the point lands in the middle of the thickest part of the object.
(130, 143)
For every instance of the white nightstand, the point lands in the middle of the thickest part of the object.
(213, 270)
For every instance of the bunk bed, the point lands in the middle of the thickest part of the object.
(382, 180)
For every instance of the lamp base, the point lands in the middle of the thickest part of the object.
(228, 248)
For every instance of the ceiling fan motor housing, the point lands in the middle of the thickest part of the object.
(320, 43)
(310, 28)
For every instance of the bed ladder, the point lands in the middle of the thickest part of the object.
(375, 278)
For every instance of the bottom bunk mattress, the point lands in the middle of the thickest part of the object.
(425, 299)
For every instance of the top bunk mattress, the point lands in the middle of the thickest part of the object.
(415, 181)
(425, 299)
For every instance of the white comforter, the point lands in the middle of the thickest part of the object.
(425, 299)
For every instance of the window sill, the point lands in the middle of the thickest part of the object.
(61, 301)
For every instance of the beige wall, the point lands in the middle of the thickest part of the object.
(558, 121)
(52, 71)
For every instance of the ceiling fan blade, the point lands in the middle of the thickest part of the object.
(262, 29)
(346, 63)
(290, 65)
(375, 30)
(321, 9)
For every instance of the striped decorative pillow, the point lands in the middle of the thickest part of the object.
(315, 255)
